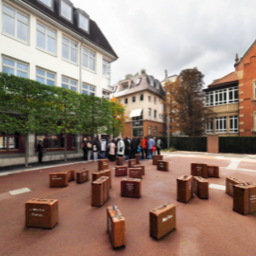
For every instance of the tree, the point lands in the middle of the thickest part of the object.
(117, 120)
(185, 103)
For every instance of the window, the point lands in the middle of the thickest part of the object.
(47, 3)
(66, 10)
(209, 125)
(69, 50)
(88, 89)
(133, 98)
(45, 38)
(69, 83)
(149, 130)
(17, 68)
(233, 124)
(105, 94)
(89, 59)
(223, 96)
(126, 101)
(155, 114)
(106, 69)
(9, 142)
(15, 23)
(155, 100)
(45, 77)
(149, 112)
(149, 98)
(83, 22)
(138, 81)
(160, 116)
(155, 131)
(151, 80)
(141, 97)
(157, 85)
(137, 121)
(221, 124)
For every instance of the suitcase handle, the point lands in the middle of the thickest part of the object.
(119, 216)
(42, 199)
(185, 176)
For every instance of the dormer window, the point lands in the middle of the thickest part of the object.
(138, 81)
(151, 81)
(83, 23)
(66, 10)
(48, 3)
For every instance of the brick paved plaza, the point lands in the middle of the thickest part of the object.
(204, 227)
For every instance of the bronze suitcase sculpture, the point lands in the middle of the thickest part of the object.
(100, 191)
(115, 226)
(230, 182)
(58, 179)
(244, 198)
(71, 175)
(41, 213)
(156, 158)
(103, 164)
(96, 175)
(162, 165)
(201, 187)
(162, 220)
(213, 171)
(82, 176)
(131, 163)
(184, 188)
(198, 169)
(135, 173)
(121, 171)
(137, 158)
(131, 187)
(142, 168)
(119, 161)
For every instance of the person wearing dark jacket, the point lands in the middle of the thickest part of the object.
(40, 150)
(127, 143)
(89, 148)
(85, 148)
(134, 146)
(96, 149)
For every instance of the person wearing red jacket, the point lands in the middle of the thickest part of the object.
(142, 145)
(146, 148)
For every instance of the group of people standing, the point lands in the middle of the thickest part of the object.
(111, 148)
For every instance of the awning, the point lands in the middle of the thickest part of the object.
(135, 112)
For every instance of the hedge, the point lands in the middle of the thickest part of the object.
(242, 145)
(187, 143)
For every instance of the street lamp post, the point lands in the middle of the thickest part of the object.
(167, 109)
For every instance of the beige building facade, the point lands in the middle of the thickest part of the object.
(142, 97)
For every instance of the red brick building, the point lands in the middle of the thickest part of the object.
(233, 99)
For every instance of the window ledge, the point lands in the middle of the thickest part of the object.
(253, 100)
(92, 71)
(42, 50)
(70, 62)
(16, 39)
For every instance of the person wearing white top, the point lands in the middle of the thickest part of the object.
(120, 147)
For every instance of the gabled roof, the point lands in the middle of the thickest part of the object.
(230, 79)
(146, 83)
(245, 53)
(95, 35)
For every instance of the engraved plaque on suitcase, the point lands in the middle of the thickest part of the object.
(131, 187)
(131, 163)
(162, 165)
(184, 188)
(135, 173)
(116, 226)
(198, 169)
(244, 198)
(103, 164)
(121, 171)
(82, 176)
(156, 158)
(142, 168)
(201, 187)
(58, 179)
(230, 182)
(162, 220)
(41, 213)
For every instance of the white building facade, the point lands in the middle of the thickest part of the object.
(54, 43)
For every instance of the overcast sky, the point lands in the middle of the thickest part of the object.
(174, 35)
